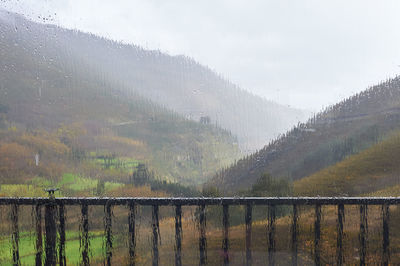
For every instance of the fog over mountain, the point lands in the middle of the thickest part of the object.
(307, 54)
(177, 82)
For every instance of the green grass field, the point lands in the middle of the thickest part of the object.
(123, 163)
(27, 248)
(69, 184)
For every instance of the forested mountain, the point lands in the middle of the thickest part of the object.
(56, 104)
(176, 82)
(338, 131)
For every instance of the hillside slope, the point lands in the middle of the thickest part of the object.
(373, 169)
(335, 133)
(177, 82)
(44, 93)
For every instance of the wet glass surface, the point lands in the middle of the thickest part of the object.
(187, 100)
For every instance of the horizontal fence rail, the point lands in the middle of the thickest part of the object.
(53, 252)
(206, 201)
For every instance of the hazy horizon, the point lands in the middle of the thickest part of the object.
(275, 50)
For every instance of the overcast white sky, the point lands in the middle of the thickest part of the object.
(303, 53)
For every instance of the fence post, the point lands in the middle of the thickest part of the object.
(294, 235)
(132, 236)
(363, 233)
(61, 248)
(39, 239)
(225, 242)
(156, 229)
(248, 220)
(108, 231)
(84, 235)
(317, 235)
(178, 235)
(15, 234)
(339, 244)
(271, 234)
(51, 233)
(51, 229)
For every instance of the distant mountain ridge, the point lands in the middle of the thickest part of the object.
(45, 90)
(177, 82)
(339, 131)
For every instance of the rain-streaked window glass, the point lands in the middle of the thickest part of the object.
(189, 132)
